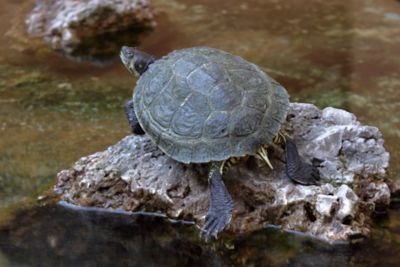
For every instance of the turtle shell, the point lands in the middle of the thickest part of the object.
(202, 104)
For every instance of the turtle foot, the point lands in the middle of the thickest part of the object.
(306, 175)
(132, 119)
(221, 205)
(297, 169)
(214, 224)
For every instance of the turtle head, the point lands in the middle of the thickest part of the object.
(135, 60)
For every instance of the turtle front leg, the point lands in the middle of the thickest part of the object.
(132, 119)
(296, 168)
(219, 212)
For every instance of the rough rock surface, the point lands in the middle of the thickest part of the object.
(134, 175)
(69, 24)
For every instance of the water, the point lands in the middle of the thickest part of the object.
(53, 110)
(59, 236)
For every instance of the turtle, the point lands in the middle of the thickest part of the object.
(205, 105)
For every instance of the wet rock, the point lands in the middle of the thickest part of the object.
(394, 186)
(134, 175)
(89, 27)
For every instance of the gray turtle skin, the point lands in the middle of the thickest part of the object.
(202, 104)
(205, 105)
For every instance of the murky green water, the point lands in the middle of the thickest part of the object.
(53, 110)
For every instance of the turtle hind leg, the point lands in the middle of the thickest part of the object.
(219, 212)
(132, 119)
(297, 169)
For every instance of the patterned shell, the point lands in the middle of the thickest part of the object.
(202, 104)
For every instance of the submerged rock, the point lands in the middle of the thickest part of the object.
(135, 175)
(88, 27)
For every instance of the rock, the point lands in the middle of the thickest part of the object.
(326, 204)
(348, 201)
(134, 175)
(335, 136)
(394, 186)
(74, 26)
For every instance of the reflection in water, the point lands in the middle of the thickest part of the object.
(56, 236)
(63, 236)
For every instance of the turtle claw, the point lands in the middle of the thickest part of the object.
(297, 169)
(214, 224)
(221, 205)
